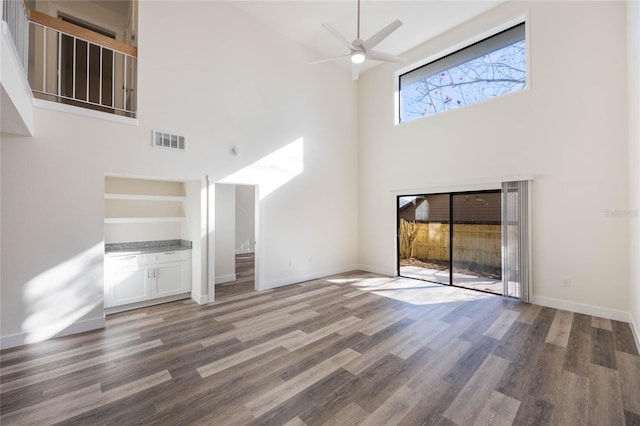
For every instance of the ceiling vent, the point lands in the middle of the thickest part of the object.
(168, 140)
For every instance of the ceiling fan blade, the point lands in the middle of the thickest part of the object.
(333, 58)
(373, 41)
(338, 36)
(355, 71)
(379, 56)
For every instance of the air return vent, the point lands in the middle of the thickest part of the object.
(168, 140)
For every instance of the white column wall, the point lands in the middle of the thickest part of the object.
(633, 40)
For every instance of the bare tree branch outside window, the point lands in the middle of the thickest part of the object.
(494, 74)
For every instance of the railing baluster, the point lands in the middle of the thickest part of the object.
(124, 87)
(87, 94)
(44, 63)
(73, 71)
(100, 82)
(59, 61)
(113, 79)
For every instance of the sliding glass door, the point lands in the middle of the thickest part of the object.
(452, 238)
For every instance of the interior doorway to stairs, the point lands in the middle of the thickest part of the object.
(235, 239)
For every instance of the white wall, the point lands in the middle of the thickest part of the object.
(569, 130)
(212, 92)
(225, 233)
(194, 229)
(634, 158)
(245, 219)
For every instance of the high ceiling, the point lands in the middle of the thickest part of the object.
(422, 20)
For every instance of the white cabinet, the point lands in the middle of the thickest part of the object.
(139, 278)
(169, 279)
(126, 285)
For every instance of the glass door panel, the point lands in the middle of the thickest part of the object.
(424, 237)
(477, 247)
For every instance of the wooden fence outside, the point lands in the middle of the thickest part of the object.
(479, 244)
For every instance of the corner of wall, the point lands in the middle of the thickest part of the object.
(633, 54)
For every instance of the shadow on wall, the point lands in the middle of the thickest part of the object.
(62, 295)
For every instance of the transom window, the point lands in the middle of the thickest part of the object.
(487, 69)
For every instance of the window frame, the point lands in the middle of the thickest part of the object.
(477, 38)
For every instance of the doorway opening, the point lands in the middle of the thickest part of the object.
(236, 232)
(452, 238)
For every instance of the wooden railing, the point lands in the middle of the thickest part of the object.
(74, 65)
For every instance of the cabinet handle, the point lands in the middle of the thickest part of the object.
(148, 273)
(127, 257)
(170, 252)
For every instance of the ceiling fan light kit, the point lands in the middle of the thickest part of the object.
(357, 57)
(363, 49)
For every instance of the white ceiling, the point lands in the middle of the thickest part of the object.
(301, 20)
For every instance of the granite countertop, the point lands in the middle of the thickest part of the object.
(144, 247)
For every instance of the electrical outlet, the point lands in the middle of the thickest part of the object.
(566, 282)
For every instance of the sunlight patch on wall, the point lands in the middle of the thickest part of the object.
(273, 170)
(63, 294)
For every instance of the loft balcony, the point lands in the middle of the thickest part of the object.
(74, 65)
(63, 60)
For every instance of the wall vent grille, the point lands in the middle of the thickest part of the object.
(168, 140)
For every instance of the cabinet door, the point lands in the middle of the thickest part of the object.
(126, 285)
(169, 279)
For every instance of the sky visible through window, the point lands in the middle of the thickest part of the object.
(494, 74)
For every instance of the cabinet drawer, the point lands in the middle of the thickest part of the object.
(126, 261)
(169, 256)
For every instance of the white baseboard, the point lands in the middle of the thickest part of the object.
(582, 309)
(51, 332)
(225, 278)
(199, 298)
(378, 270)
(307, 277)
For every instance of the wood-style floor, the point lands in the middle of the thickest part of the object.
(245, 278)
(351, 349)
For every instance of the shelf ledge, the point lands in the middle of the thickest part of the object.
(142, 219)
(144, 197)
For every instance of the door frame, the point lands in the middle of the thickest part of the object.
(210, 225)
(451, 231)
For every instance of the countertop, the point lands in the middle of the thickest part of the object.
(145, 247)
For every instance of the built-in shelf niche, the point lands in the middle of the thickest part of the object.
(143, 209)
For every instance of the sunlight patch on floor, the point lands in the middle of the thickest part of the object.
(412, 291)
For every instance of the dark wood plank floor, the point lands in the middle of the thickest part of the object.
(351, 349)
(245, 278)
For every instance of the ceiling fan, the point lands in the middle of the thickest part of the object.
(360, 50)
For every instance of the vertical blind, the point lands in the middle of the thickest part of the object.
(516, 243)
